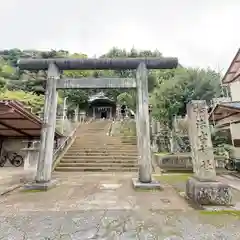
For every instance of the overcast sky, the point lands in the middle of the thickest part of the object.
(203, 33)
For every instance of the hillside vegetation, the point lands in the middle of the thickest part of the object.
(169, 90)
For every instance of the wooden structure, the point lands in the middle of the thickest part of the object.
(100, 106)
(17, 122)
(233, 72)
(54, 67)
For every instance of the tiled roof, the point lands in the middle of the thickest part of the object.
(233, 72)
(17, 121)
(231, 104)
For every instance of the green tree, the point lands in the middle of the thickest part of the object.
(27, 98)
(170, 96)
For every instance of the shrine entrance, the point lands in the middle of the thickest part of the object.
(101, 107)
(104, 114)
(54, 82)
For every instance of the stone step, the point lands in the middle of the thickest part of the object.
(102, 141)
(99, 145)
(99, 154)
(65, 160)
(98, 165)
(100, 150)
(95, 139)
(99, 157)
(84, 143)
(102, 146)
(96, 169)
(103, 149)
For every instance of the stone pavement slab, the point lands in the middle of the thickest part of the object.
(117, 224)
(105, 206)
(10, 178)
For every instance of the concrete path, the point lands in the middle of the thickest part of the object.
(232, 181)
(10, 177)
(104, 206)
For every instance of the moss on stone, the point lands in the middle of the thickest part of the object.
(172, 178)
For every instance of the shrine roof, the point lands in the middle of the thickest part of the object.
(235, 105)
(233, 72)
(17, 121)
(98, 97)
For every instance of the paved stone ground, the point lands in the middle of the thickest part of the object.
(9, 177)
(104, 206)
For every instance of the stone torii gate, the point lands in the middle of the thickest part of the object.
(54, 82)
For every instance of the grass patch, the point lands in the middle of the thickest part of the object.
(32, 190)
(172, 178)
(162, 154)
(177, 181)
(235, 213)
(148, 190)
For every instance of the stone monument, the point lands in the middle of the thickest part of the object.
(203, 188)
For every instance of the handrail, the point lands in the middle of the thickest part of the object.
(109, 132)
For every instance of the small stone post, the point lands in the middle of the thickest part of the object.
(82, 116)
(31, 162)
(191, 115)
(154, 136)
(76, 113)
(44, 168)
(143, 131)
(203, 187)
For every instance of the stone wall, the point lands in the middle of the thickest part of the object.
(183, 162)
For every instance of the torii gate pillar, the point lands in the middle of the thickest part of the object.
(45, 160)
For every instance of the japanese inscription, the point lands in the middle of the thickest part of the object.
(200, 137)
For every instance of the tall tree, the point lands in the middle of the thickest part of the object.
(171, 95)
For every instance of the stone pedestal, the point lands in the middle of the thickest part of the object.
(141, 185)
(41, 186)
(208, 192)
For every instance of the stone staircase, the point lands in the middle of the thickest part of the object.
(94, 151)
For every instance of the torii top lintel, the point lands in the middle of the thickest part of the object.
(98, 64)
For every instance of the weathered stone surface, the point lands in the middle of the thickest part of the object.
(140, 185)
(100, 64)
(45, 160)
(208, 193)
(200, 140)
(203, 189)
(102, 83)
(30, 163)
(184, 161)
(143, 130)
(42, 186)
(81, 208)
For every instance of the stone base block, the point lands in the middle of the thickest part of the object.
(152, 185)
(208, 192)
(44, 186)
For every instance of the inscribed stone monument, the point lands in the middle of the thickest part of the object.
(203, 187)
